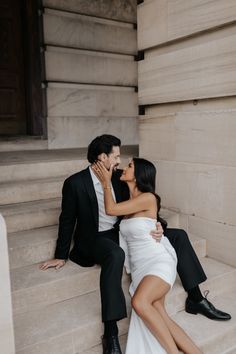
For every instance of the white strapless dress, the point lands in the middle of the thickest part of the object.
(144, 256)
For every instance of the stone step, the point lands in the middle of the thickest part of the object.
(214, 337)
(33, 288)
(220, 278)
(37, 245)
(19, 143)
(98, 348)
(74, 326)
(28, 191)
(91, 67)
(31, 246)
(28, 165)
(85, 32)
(30, 215)
(70, 326)
(38, 164)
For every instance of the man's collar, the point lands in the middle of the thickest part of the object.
(94, 177)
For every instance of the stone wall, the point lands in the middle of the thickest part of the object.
(6, 321)
(187, 81)
(91, 71)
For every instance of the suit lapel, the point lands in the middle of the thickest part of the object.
(88, 183)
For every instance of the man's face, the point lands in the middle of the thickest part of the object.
(113, 158)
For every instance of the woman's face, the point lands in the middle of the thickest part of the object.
(128, 173)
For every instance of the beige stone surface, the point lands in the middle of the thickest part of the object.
(6, 321)
(21, 143)
(121, 10)
(80, 66)
(85, 32)
(214, 337)
(26, 191)
(203, 190)
(33, 288)
(69, 132)
(220, 238)
(160, 21)
(188, 132)
(71, 100)
(30, 215)
(189, 70)
(32, 165)
(31, 246)
(73, 319)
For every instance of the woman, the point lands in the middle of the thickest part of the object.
(152, 265)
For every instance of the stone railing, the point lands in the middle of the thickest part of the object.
(7, 344)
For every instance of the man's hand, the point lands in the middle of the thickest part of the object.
(53, 263)
(157, 234)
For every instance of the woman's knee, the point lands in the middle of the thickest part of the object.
(140, 304)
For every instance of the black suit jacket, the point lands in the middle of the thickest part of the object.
(79, 216)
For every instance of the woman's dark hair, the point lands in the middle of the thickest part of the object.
(145, 175)
(101, 144)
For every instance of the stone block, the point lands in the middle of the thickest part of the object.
(84, 32)
(121, 10)
(31, 165)
(203, 132)
(191, 69)
(220, 238)
(202, 190)
(160, 21)
(26, 191)
(32, 246)
(67, 132)
(91, 67)
(71, 100)
(30, 215)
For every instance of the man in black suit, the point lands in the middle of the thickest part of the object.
(96, 241)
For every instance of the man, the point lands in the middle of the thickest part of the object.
(96, 241)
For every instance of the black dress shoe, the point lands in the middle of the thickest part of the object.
(111, 345)
(206, 308)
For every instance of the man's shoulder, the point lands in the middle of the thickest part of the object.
(76, 177)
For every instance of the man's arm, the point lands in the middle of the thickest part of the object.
(67, 222)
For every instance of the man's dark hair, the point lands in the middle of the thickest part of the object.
(145, 175)
(101, 144)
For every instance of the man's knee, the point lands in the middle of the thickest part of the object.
(117, 255)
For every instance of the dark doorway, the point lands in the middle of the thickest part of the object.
(22, 110)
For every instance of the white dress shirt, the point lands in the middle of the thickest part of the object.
(105, 221)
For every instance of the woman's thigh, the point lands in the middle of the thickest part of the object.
(151, 289)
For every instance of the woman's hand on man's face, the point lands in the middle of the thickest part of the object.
(102, 173)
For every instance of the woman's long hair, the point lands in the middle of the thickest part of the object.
(145, 175)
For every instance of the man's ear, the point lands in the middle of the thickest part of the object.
(102, 157)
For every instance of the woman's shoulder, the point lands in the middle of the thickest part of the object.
(148, 196)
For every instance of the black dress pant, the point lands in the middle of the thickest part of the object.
(110, 256)
(189, 268)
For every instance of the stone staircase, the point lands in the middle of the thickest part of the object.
(58, 312)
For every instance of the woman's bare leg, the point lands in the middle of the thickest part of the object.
(151, 289)
(181, 339)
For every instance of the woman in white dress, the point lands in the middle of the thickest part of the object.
(152, 264)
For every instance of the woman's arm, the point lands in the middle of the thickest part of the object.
(140, 203)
